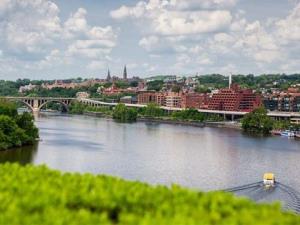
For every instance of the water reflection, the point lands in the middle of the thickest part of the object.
(23, 155)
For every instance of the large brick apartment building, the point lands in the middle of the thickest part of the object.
(234, 99)
(228, 99)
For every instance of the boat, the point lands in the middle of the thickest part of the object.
(287, 133)
(276, 132)
(269, 180)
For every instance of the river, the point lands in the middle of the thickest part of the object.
(200, 158)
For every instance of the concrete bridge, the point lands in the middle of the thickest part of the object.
(35, 104)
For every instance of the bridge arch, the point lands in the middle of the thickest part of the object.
(64, 104)
(26, 104)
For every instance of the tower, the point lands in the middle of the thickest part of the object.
(125, 73)
(108, 78)
(230, 80)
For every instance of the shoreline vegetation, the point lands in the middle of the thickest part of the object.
(151, 112)
(73, 198)
(16, 130)
(254, 123)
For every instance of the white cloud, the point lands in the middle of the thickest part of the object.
(186, 23)
(267, 56)
(28, 26)
(33, 35)
(93, 42)
(202, 4)
(178, 17)
(76, 25)
(289, 28)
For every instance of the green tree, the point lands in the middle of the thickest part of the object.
(25, 122)
(152, 110)
(77, 108)
(155, 85)
(8, 108)
(122, 113)
(257, 122)
(15, 130)
(188, 114)
(11, 134)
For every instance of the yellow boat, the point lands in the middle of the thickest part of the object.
(269, 179)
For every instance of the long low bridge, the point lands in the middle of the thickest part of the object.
(35, 104)
(96, 103)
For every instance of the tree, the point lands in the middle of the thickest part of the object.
(77, 107)
(11, 134)
(25, 122)
(257, 122)
(15, 130)
(123, 114)
(8, 108)
(188, 114)
(153, 110)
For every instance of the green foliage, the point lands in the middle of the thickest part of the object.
(152, 110)
(8, 108)
(122, 113)
(188, 114)
(34, 195)
(281, 124)
(15, 130)
(122, 84)
(25, 122)
(155, 85)
(79, 108)
(202, 89)
(76, 108)
(257, 122)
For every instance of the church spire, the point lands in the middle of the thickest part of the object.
(125, 73)
(108, 78)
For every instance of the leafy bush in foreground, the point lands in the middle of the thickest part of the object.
(36, 195)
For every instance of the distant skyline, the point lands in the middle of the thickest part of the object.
(56, 39)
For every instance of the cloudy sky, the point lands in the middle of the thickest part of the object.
(49, 39)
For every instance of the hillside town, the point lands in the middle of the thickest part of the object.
(181, 92)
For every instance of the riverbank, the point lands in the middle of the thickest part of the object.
(175, 122)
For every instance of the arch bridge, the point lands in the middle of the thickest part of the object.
(35, 104)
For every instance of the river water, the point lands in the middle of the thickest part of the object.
(200, 158)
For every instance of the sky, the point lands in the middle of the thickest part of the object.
(58, 39)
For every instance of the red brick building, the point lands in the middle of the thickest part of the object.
(234, 99)
(194, 100)
(145, 97)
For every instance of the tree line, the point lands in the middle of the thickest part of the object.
(126, 114)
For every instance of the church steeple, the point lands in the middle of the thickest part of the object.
(125, 73)
(108, 78)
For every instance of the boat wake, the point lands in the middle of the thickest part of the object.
(281, 192)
